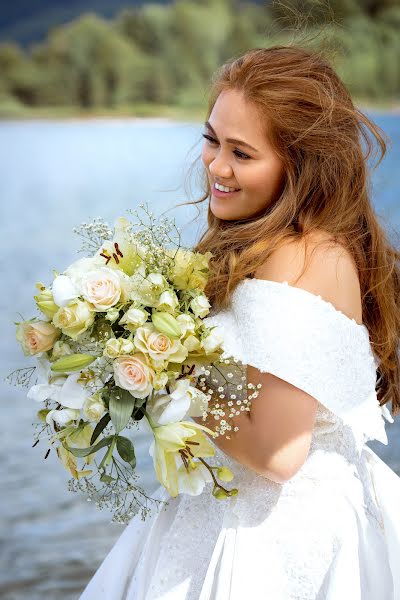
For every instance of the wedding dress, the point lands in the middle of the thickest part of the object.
(331, 532)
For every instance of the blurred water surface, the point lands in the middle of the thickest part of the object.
(53, 176)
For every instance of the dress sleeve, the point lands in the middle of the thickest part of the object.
(305, 340)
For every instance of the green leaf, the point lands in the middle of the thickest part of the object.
(101, 425)
(107, 478)
(80, 452)
(121, 406)
(126, 450)
(107, 457)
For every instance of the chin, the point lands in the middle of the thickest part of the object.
(225, 212)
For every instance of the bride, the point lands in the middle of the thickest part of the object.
(305, 286)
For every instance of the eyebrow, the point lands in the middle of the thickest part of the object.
(231, 140)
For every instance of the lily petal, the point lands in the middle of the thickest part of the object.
(73, 394)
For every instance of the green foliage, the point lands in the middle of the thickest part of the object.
(121, 405)
(166, 54)
(81, 452)
(126, 450)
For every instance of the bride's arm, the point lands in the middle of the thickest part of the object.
(274, 437)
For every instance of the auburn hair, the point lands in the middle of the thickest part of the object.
(317, 131)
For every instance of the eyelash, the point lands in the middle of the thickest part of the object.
(236, 152)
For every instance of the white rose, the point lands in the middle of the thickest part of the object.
(114, 347)
(213, 341)
(192, 343)
(112, 314)
(64, 290)
(200, 305)
(186, 323)
(168, 301)
(134, 318)
(126, 346)
(94, 407)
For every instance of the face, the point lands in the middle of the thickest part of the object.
(237, 154)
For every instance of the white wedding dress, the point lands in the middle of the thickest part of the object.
(332, 532)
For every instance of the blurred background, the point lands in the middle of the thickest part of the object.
(101, 109)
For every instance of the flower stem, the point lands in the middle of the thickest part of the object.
(150, 420)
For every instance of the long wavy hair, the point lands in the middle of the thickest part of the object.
(317, 131)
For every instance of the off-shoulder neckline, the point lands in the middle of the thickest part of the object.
(350, 320)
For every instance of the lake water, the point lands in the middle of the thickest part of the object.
(53, 176)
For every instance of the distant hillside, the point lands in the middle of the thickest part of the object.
(27, 21)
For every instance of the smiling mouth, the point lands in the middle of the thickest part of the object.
(217, 191)
(231, 188)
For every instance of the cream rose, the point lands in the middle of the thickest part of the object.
(102, 288)
(132, 373)
(36, 336)
(159, 346)
(74, 319)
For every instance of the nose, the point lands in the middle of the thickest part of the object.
(218, 167)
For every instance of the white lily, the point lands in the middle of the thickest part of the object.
(187, 440)
(63, 389)
(72, 393)
(183, 401)
(192, 482)
(44, 390)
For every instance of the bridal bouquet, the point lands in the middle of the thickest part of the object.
(122, 339)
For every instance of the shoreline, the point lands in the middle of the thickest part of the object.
(161, 114)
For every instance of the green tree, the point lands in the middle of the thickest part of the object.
(94, 64)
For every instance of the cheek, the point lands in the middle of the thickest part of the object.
(269, 176)
(206, 156)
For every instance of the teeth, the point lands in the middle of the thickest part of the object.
(223, 188)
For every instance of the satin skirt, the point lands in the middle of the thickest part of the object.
(305, 541)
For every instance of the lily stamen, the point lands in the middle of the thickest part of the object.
(118, 250)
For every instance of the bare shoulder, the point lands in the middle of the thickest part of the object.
(320, 265)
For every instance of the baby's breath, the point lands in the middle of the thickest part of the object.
(93, 234)
(121, 496)
(224, 375)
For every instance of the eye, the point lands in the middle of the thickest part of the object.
(236, 152)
